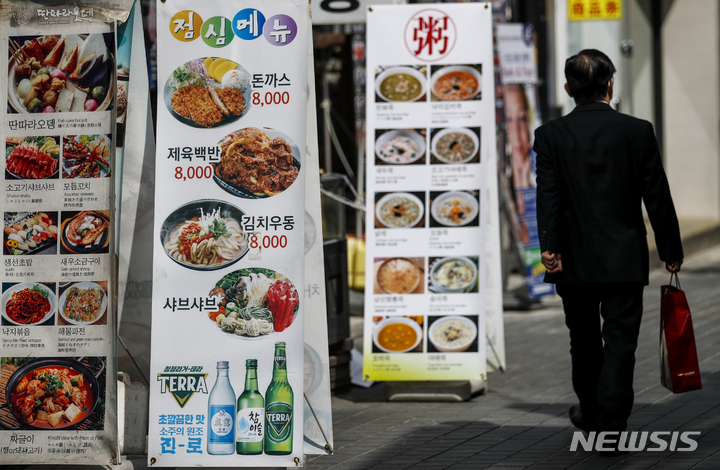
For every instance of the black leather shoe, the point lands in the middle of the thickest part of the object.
(576, 418)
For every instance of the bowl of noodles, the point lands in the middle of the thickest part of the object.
(204, 235)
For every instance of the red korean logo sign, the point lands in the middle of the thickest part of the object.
(430, 35)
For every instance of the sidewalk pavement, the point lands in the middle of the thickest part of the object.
(521, 422)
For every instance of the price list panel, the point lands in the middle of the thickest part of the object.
(57, 324)
(229, 226)
(430, 135)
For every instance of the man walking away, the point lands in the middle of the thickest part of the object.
(594, 167)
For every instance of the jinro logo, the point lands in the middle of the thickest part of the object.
(635, 441)
(430, 35)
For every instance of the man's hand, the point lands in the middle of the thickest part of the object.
(672, 266)
(553, 262)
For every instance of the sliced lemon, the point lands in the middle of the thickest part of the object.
(214, 67)
(224, 68)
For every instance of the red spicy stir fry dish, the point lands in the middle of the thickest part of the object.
(28, 306)
(254, 302)
(52, 397)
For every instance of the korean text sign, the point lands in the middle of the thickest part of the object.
(227, 345)
(430, 115)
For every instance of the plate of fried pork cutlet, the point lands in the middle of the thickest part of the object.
(208, 92)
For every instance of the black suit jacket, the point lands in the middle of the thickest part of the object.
(594, 167)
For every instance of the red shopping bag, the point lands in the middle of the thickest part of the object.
(679, 370)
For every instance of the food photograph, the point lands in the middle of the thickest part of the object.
(254, 303)
(61, 73)
(83, 303)
(400, 210)
(30, 233)
(208, 92)
(52, 393)
(32, 158)
(400, 146)
(456, 82)
(86, 156)
(401, 84)
(28, 304)
(399, 276)
(398, 334)
(455, 145)
(257, 163)
(452, 334)
(84, 232)
(455, 208)
(453, 274)
(204, 235)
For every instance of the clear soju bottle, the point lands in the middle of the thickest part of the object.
(250, 414)
(279, 408)
(221, 414)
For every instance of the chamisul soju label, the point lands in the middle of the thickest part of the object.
(250, 425)
(278, 417)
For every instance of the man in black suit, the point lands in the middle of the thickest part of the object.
(594, 167)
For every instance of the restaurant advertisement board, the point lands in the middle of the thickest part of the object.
(58, 350)
(227, 339)
(430, 134)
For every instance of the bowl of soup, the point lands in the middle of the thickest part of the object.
(400, 84)
(456, 83)
(399, 276)
(397, 335)
(452, 334)
(455, 145)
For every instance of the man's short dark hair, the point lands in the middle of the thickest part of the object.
(588, 75)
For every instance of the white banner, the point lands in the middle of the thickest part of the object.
(344, 11)
(431, 123)
(227, 343)
(57, 355)
(516, 48)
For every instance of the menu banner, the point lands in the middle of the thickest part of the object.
(430, 134)
(58, 324)
(228, 279)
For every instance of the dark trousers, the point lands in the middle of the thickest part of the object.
(603, 358)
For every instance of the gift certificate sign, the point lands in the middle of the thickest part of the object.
(430, 121)
(227, 341)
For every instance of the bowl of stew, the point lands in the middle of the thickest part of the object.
(68, 391)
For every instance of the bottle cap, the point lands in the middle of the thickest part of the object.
(251, 363)
(280, 343)
(222, 364)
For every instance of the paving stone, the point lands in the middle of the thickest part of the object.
(522, 421)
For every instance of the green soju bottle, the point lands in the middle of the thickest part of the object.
(279, 408)
(221, 414)
(250, 415)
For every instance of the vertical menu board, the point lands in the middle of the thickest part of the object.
(227, 339)
(430, 121)
(57, 341)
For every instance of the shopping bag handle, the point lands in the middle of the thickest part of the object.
(677, 280)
